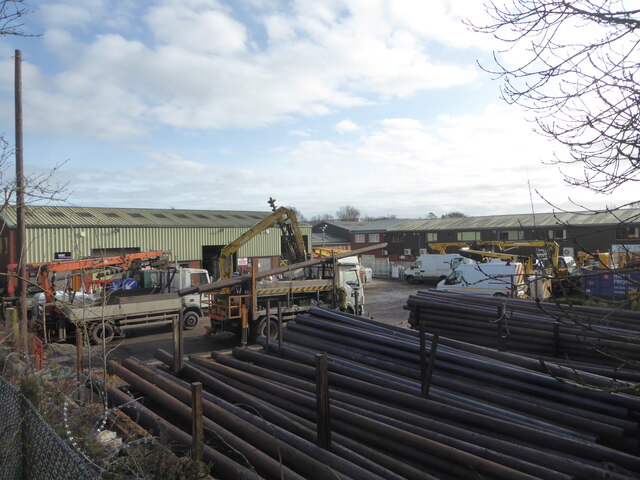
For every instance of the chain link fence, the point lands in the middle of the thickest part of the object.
(29, 448)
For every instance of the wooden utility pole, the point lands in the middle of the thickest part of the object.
(21, 237)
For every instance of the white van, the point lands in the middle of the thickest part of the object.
(496, 278)
(434, 267)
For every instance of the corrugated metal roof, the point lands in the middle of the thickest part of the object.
(544, 220)
(319, 239)
(379, 225)
(63, 216)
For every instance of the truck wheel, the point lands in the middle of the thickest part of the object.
(261, 330)
(190, 319)
(102, 332)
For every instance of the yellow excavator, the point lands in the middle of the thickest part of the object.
(287, 220)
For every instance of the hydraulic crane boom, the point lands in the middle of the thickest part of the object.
(42, 270)
(287, 221)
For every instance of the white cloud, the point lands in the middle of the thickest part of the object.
(299, 133)
(478, 164)
(196, 66)
(346, 126)
(204, 29)
(70, 14)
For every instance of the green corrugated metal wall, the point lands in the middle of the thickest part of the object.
(184, 243)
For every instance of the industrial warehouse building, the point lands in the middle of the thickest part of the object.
(616, 230)
(194, 237)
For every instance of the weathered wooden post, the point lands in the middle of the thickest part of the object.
(177, 344)
(323, 418)
(197, 423)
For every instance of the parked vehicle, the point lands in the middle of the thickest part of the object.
(326, 284)
(495, 278)
(148, 298)
(107, 296)
(430, 267)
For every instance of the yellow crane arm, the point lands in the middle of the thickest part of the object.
(441, 247)
(278, 216)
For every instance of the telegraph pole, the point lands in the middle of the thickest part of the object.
(23, 342)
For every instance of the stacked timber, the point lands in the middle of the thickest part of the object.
(600, 340)
(493, 416)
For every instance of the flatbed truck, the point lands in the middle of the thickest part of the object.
(333, 285)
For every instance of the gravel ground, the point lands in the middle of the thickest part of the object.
(385, 299)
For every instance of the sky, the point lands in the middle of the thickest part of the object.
(221, 104)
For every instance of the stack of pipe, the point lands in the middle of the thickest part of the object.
(488, 414)
(583, 335)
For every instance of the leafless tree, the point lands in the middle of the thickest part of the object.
(454, 214)
(11, 13)
(39, 187)
(322, 217)
(574, 64)
(348, 213)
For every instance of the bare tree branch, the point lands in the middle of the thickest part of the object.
(578, 76)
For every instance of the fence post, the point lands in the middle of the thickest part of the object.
(268, 325)
(556, 339)
(422, 327)
(177, 344)
(44, 322)
(280, 333)
(12, 315)
(323, 419)
(432, 362)
(79, 353)
(197, 424)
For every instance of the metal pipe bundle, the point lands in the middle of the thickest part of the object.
(587, 335)
(488, 414)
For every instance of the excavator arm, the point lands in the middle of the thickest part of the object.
(287, 221)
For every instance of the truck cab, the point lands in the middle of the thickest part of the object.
(170, 281)
(350, 278)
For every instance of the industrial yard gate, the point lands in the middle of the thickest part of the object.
(379, 266)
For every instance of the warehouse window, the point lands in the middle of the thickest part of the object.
(224, 217)
(358, 238)
(374, 237)
(85, 214)
(112, 215)
(395, 237)
(199, 215)
(58, 214)
(468, 236)
(136, 215)
(160, 215)
(432, 237)
(240, 217)
(181, 215)
(557, 234)
(626, 232)
(511, 235)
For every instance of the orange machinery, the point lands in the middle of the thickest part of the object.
(39, 273)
